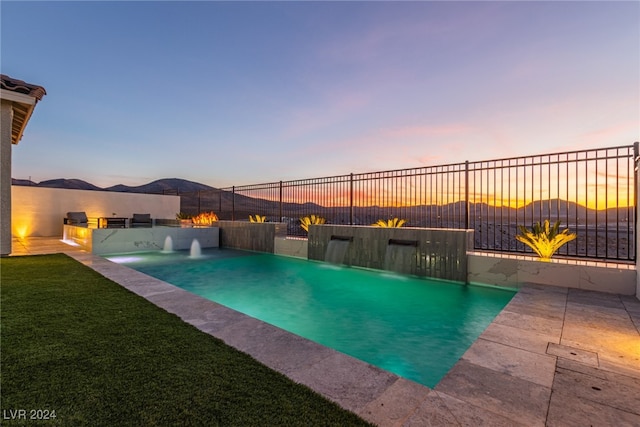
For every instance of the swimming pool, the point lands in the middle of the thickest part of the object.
(413, 327)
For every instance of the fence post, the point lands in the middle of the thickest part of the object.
(233, 203)
(636, 158)
(280, 204)
(351, 199)
(466, 195)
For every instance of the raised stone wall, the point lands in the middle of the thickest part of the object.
(514, 271)
(251, 236)
(293, 247)
(114, 240)
(439, 253)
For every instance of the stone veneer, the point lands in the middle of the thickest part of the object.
(439, 253)
(251, 236)
(514, 271)
(292, 246)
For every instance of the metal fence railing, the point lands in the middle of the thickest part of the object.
(592, 192)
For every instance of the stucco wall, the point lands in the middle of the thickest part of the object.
(39, 212)
(6, 118)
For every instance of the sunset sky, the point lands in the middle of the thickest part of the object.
(233, 93)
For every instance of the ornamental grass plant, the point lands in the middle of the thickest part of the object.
(306, 221)
(390, 223)
(545, 239)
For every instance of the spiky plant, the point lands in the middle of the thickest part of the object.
(205, 218)
(544, 239)
(257, 218)
(390, 223)
(306, 221)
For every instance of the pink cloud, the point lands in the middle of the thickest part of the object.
(412, 132)
(612, 133)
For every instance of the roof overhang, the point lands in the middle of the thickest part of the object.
(23, 106)
(23, 97)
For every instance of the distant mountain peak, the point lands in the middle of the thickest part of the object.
(164, 185)
(23, 182)
(72, 183)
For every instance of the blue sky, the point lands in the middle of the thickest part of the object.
(232, 93)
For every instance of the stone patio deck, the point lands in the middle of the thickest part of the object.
(553, 356)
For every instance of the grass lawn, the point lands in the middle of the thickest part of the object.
(79, 344)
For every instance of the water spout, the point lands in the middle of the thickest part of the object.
(401, 256)
(337, 249)
(196, 251)
(168, 244)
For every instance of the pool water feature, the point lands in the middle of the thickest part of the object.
(168, 244)
(400, 258)
(413, 327)
(336, 251)
(195, 251)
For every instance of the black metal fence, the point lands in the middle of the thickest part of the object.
(592, 192)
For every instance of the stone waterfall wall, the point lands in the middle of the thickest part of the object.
(440, 253)
(251, 236)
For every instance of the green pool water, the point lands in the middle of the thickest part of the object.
(416, 328)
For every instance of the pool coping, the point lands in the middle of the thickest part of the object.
(534, 365)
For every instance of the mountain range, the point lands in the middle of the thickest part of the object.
(160, 186)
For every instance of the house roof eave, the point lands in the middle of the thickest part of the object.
(23, 97)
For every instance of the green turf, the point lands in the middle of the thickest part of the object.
(77, 343)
